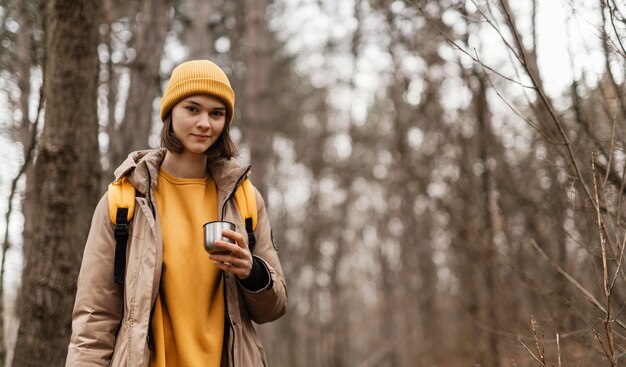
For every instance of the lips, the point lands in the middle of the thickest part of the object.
(202, 137)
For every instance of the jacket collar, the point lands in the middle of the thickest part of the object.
(143, 166)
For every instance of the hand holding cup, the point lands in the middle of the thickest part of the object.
(227, 248)
(213, 233)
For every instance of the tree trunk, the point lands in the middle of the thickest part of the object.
(257, 110)
(199, 36)
(64, 186)
(490, 267)
(466, 253)
(134, 131)
(113, 84)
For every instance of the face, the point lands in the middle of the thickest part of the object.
(198, 122)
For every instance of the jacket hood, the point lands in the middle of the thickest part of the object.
(142, 167)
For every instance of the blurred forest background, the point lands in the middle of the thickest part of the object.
(445, 188)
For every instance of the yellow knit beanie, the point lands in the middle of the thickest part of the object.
(198, 77)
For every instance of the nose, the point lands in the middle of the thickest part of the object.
(203, 121)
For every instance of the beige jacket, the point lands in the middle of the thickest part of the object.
(110, 326)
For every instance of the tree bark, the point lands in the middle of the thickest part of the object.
(257, 110)
(64, 186)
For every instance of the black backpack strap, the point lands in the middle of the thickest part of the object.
(251, 238)
(121, 240)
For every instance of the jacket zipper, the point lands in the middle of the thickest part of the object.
(231, 355)
(230, 322)
(150, 336)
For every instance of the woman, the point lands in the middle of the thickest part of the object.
(178, 306)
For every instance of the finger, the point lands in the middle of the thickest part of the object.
(227, 247)
(228, 259)
(235, 236)
(233, 249)
(226, 266)
(232, 258)
(231, 268)
(225, 258)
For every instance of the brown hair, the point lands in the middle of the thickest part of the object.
(222, 148)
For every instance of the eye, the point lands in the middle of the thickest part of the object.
(192, 108)
(216, 113)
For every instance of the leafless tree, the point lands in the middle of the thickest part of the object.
(66, 169)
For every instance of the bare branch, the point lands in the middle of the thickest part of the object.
(619, 200)
(544, 99)
(612, 18)
(619, 263)
(534, 24)
(532, 354)
(611, 149)
(574, 282)
(597, 335)
(511, 49)
(453, 43)
(498, 31)
(600, 225)
(610, 353)
(540, 348)
(530, 123)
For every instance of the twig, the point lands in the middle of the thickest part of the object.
(619, 263)
(540, 357)
(532, 354)
(544, 98)
(611, 149)
(597, 335)
(540, 349)
(531, 123)
(612, 17)
(600, 224)
(457, 46)
(558, 349)
(582, 289)
(477, 59)
(529, 103)
(621, 189)
(610, 353)
(498, 31)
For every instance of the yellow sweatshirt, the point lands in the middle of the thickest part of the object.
(188, 320)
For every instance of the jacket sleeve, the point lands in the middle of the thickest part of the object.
(98, 306)
(269, 303)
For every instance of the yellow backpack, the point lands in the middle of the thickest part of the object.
(122, 207)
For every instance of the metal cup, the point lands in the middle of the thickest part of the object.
(213, 232)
